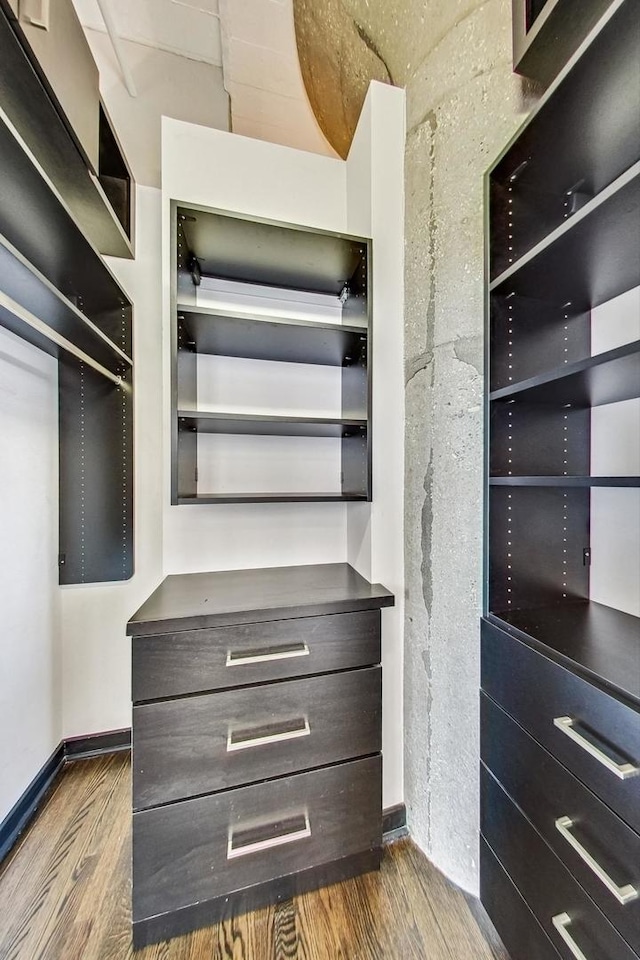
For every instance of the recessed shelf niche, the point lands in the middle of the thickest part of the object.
(271, 379)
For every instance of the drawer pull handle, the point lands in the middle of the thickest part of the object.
(622, 894)
(266, 656)
(301, 828)
(243, 740)
(622, 770)
(561, 922)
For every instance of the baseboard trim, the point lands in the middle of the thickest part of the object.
(23, 811)
(97, 744)
(69, 750)
(394, 823)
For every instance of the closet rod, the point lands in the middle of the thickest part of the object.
(41, 327)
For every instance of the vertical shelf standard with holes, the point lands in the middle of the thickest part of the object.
(561, 633)
(271, 392)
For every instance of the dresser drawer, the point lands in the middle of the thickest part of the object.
(205, 848)
(519, 930)
(173, 664)
(598, 848)
(195, 745)
(596, 736)
(560, 904)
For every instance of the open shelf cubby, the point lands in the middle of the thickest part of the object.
(270, 371)
(556, 163)
(563, 364)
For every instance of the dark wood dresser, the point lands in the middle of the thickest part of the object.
(257, 770)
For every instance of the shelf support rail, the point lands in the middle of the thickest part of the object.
(8, 303)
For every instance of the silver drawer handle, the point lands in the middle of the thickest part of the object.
(286, 653)
(269, 842)
(622, 770)
(622, 894)
(238, 740)
(561, 922)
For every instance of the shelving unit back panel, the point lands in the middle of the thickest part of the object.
(538, 538)
(529, 439)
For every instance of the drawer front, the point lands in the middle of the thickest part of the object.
(598, 848)
(561, 906)
(208, 847)
(186, 747)
(519, 930)
(591, 733)
(197, 660)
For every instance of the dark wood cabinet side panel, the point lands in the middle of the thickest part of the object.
(180, 852)
(193, 661)
(181, 748)
(96, 476)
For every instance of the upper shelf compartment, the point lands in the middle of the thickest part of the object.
(79, 163)
(35, 221)
(589, 259)
(268, 338)
(273, 255)
(557, 164)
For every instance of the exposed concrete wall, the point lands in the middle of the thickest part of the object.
(463, 103)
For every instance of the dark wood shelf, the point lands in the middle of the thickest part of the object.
(564, 481)
(547, 34)
(590, 258)
(598, 641)
(192, 600)
(54, 319)
(269, 338)
(606, 378)
(204, 498)
(257, 425)
(36, 222)
(29, 109)
(273, 254)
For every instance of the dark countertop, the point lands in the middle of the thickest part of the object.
(191, 601)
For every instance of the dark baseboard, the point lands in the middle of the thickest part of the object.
(208, 912)
(97, 744)
(394, 823)
(23, 811)
(75, 748)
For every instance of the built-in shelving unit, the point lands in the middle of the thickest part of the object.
(563, 490)
(94, 184)
(255, 301)
(543, 380)
(546, 33)
(57, 293)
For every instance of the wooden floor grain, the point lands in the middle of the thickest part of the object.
(65, 895)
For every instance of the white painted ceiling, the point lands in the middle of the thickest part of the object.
(189, 28)
(254, 43)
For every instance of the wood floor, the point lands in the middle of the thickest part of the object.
(65, 895)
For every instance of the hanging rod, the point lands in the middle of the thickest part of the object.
(41, 327)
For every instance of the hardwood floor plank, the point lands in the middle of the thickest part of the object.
(65, 894)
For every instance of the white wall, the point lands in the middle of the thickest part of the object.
(375, 207)
(166, 84)
(30, 712)
(95, 650)
(265, 180)
(363, 196)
